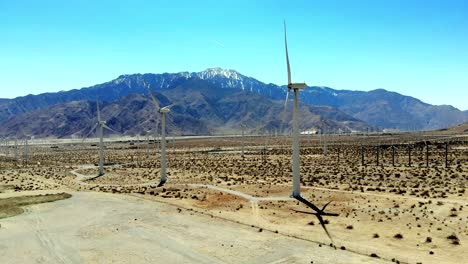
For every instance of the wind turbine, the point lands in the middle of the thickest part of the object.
(163, 111)
(173, 144)
(296, 188)
(324, 129)
(7, 145)
(1, 145)
(102, 124)
(147, 144)
(243, 140)
(26, 151)
(16, 149)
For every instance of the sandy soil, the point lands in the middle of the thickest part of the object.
(398, 203)
(104, 228)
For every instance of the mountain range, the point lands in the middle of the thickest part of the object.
(215, 101)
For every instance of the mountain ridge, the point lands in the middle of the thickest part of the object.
(379, 107)
(200, 109)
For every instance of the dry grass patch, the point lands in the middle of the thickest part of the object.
(6, 187)
(12, 206)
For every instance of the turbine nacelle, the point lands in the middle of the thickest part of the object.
(297, 86)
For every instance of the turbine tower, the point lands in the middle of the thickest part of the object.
(26, 151)
(296, 190)
(7, 147)
(16, 149)
(243, 140)
(163, 111)
(325, 129)
(102, 124)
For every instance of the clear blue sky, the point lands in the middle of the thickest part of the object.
(417, 48)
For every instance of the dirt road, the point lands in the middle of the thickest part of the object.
(106, 228)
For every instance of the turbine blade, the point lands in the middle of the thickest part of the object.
(110, 129)
(155, 102)
(287, 98)
(168, 107)
(287, 56)
(89, 133)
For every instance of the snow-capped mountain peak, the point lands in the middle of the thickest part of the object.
(214, 72)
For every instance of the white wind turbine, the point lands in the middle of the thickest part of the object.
(295, 86)
(324, 135)
(163, 111)
(26, 151)
(147, 144)
(16, 149)
(296, 190)
(243, 139)
(102, 124)
(7, 145)
(2, 148)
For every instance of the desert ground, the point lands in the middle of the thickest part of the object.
(400, 198)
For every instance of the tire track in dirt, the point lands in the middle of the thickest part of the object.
(54, 250)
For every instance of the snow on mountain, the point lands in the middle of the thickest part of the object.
(214, 72)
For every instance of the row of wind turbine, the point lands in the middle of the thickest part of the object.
(163, 111)
(5, 148)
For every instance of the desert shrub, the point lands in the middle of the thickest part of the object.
(452, 237)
